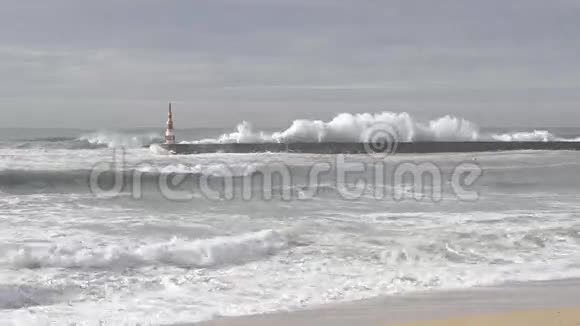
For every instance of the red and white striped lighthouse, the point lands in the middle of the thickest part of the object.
(169, 135)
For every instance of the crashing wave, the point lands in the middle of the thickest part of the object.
(348, 127)
(200, 253)
(536, 135)
(116, 139)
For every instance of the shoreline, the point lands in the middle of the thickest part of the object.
(559, 317)
(523, 301)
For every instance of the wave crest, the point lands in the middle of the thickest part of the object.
(536, 135)
(116, 139)
(347, 127)
(200, 253)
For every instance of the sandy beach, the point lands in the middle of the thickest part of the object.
(534, 303)
(563, 317)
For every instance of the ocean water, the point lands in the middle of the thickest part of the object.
(191, 238)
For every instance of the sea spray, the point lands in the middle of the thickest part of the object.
(199, 253)
(347, 127)
(117, 139)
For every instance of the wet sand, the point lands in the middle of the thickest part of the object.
(534, 303)
(556, 317)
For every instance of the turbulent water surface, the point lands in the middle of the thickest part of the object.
(71, 255)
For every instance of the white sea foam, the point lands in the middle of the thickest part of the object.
(158, 150)
(536, 135)
(116, 139)
(132, 259)
(348, 127)
(213, 169)
(352, 127)
(177, 252)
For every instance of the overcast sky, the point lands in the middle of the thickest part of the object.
(106, 64)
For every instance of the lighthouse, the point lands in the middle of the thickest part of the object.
(169, 135)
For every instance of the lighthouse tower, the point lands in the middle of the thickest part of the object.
(169, 135)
